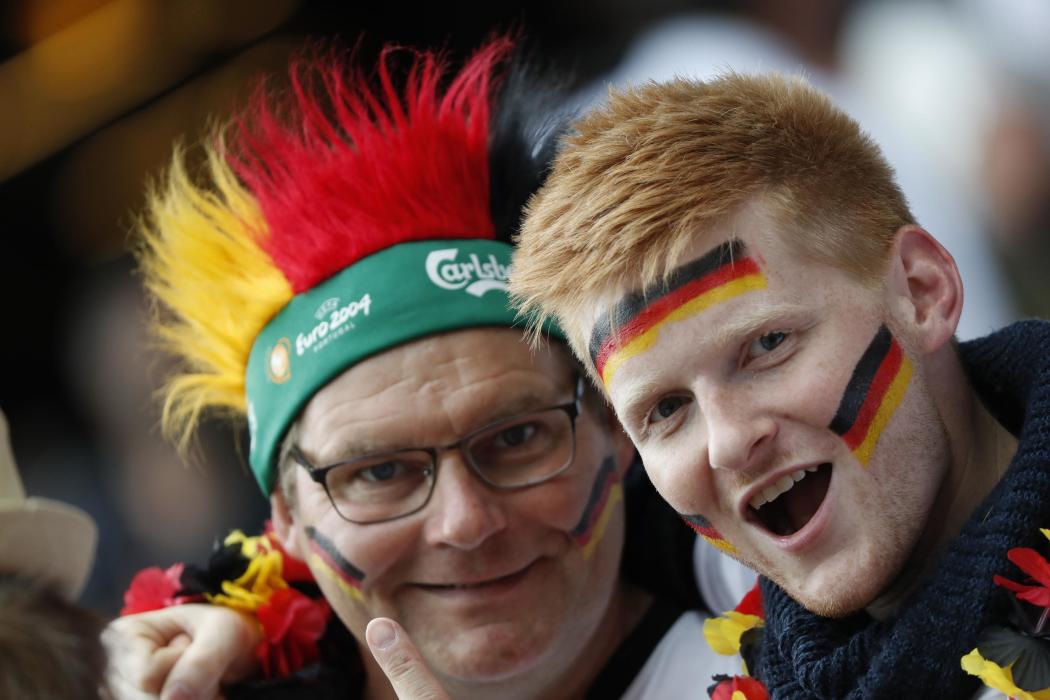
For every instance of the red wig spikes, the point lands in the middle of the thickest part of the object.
(342, 170)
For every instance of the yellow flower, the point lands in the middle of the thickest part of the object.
(263, 576)
(723, 633)
(999, 678)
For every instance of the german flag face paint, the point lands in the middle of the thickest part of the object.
(326, 557)
(633, 325)
(702, 526)
(873, 394)
(605, 494)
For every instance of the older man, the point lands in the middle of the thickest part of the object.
(740, 273)
(340, 283)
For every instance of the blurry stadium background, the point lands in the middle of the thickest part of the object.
(94, 92)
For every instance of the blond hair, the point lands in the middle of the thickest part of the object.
(213, 285)
(662, 163)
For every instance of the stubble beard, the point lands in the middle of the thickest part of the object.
(899, 518)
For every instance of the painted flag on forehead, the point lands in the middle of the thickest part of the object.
(634, 324)
(874, 392)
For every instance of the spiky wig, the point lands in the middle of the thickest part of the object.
(214, 286)
(300, 187)
(338, 181)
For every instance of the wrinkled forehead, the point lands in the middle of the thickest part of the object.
(496, 365)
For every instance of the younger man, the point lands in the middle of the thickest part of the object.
(736, 267)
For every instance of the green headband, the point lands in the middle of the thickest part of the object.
(399, 294)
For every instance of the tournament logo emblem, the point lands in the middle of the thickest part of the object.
(279, 364)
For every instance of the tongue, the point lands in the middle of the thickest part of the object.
(803, 500)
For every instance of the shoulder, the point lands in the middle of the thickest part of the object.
(681, 663)
(722, 580)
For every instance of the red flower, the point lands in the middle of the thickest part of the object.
(751, 604)
(725, 688)
(292, 623)
(1033, 564)
(152, 589)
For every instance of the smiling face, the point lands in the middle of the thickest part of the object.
(489, 584)
(782, 416)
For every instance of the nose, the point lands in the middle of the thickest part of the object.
(463, 512)
(739, 434)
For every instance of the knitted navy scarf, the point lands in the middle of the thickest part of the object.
(916, 654)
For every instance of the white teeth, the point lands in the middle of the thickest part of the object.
(780, 487)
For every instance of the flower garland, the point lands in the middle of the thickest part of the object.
(1015, 659)
(738, 631)
(256, 577)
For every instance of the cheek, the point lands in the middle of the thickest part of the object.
(352, 558)
(875, 390)
(605, 494)
(703, 527)
(328, 561)
(681, 476)
(578, 503)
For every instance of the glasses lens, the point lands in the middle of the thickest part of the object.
(381, 487)
(525, 449)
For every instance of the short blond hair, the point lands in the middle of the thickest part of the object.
(660, 164)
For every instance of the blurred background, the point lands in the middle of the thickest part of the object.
(94, 92)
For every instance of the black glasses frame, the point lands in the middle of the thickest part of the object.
(320, 474)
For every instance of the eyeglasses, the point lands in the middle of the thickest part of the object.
(513, 453)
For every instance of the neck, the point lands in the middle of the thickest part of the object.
(980, 453)
(561, 677)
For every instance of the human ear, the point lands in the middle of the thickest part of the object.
(283, 522)
(925, 289)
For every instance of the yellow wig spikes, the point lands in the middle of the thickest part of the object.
(213, 286)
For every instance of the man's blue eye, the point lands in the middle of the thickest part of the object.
(770, 341)
(666, 407)
(382, 472)
(765, 343)
(516, 435)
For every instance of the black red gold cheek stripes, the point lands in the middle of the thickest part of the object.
(634, 323)
(702, 527)
(872, 395)
(326, 556)
(605, 494)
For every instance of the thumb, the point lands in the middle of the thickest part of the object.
(400, 660)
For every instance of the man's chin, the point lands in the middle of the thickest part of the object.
(839, 597)
(832, 607)
(483, 656)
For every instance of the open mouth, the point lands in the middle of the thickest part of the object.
(786, 506)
